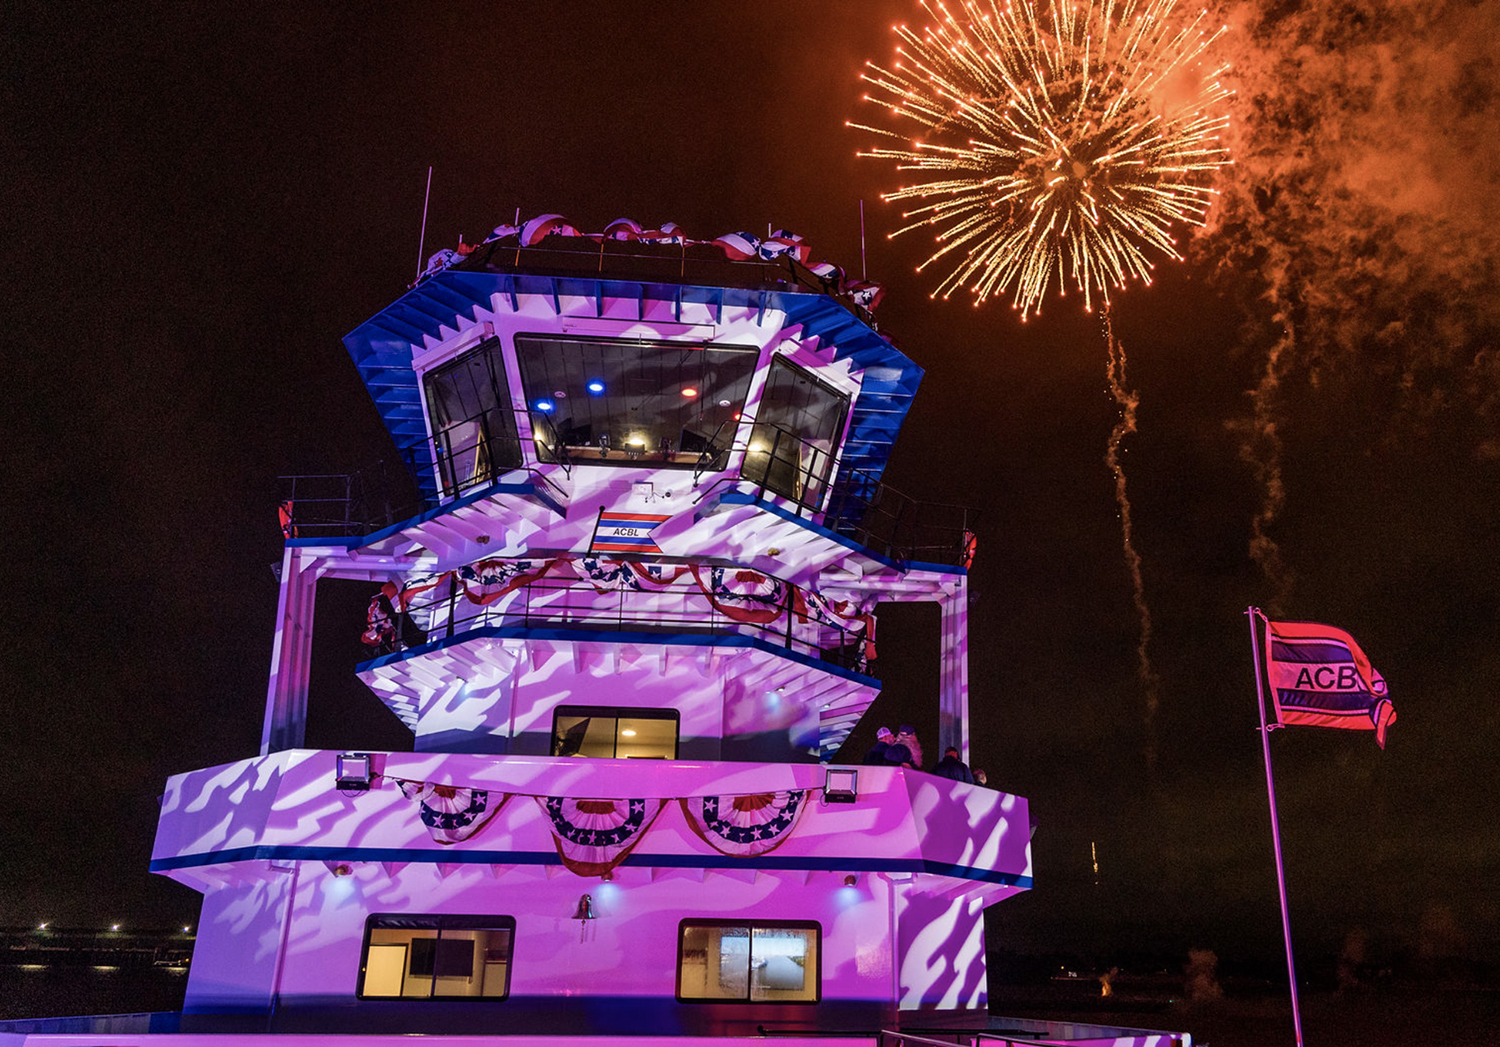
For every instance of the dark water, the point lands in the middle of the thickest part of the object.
(1410, 1016)
(54, 990)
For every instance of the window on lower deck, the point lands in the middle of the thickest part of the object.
(626, 734)
(436, 957)
(765, 962)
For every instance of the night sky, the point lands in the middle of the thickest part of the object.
(202, 200)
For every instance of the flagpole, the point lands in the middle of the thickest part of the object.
(1265, 748)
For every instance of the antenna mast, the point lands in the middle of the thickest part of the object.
(422, 243)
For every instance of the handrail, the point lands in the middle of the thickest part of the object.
(973, 1036)
(665, 263)
(554, 445)
(773, 460)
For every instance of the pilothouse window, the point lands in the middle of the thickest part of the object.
(605, 402)
(473, 425)
(796, 434)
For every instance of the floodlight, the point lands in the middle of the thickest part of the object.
(841, 786)
(355, 772)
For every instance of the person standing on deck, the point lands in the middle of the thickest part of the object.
(876, 756)
(950, 766)
(907, 736)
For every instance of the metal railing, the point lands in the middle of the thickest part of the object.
(856, 504)
(465, 456)
(702, 265)
(897, 1038)
(448, 612)
(774, 461)
(986, 1038)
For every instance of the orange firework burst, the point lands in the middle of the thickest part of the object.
(1063, 139)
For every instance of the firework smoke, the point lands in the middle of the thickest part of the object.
(1364, 193)
(1061, 139)
(1128, 400)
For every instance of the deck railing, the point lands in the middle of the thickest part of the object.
(774, 461)
(448, 611)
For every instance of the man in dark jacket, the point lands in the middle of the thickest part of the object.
(950, 766)
(876, 756)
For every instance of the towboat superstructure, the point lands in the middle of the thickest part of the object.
(629, 622)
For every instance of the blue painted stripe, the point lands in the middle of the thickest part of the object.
(662, 861)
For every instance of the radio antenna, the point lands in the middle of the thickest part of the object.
(863, 274)
(422, 243)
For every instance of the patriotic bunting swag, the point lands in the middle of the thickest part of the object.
(743, 596)
(737, 247)
(744, 826)
(594, 836)
(452, 813)
(1319, 677)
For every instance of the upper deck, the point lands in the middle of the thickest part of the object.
(729, 292)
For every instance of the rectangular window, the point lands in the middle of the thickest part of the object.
(625, 734)
(473, 424)
(603, 402)
(436, 957)
(795, 439)
(764, 962)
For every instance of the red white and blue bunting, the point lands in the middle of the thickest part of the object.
(744, 596)
(452, 813)
(595, 835)
(738, 247)
(745, 825)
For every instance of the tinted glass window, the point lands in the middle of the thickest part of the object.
(423, 957)
(795, 438)
(626, 734)
(622, 403)
(473, 425)
(755, 962)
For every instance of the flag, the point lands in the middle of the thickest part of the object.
(625, 533)
(1320, 678)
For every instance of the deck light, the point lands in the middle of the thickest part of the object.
(689, 392)
(595, 388)
(114, 927)
(851, 880)
(841, 786)
(355, 772)
(545, 406)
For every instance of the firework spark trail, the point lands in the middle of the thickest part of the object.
(1062, 139)
(1261, 449)
(1128, 401)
